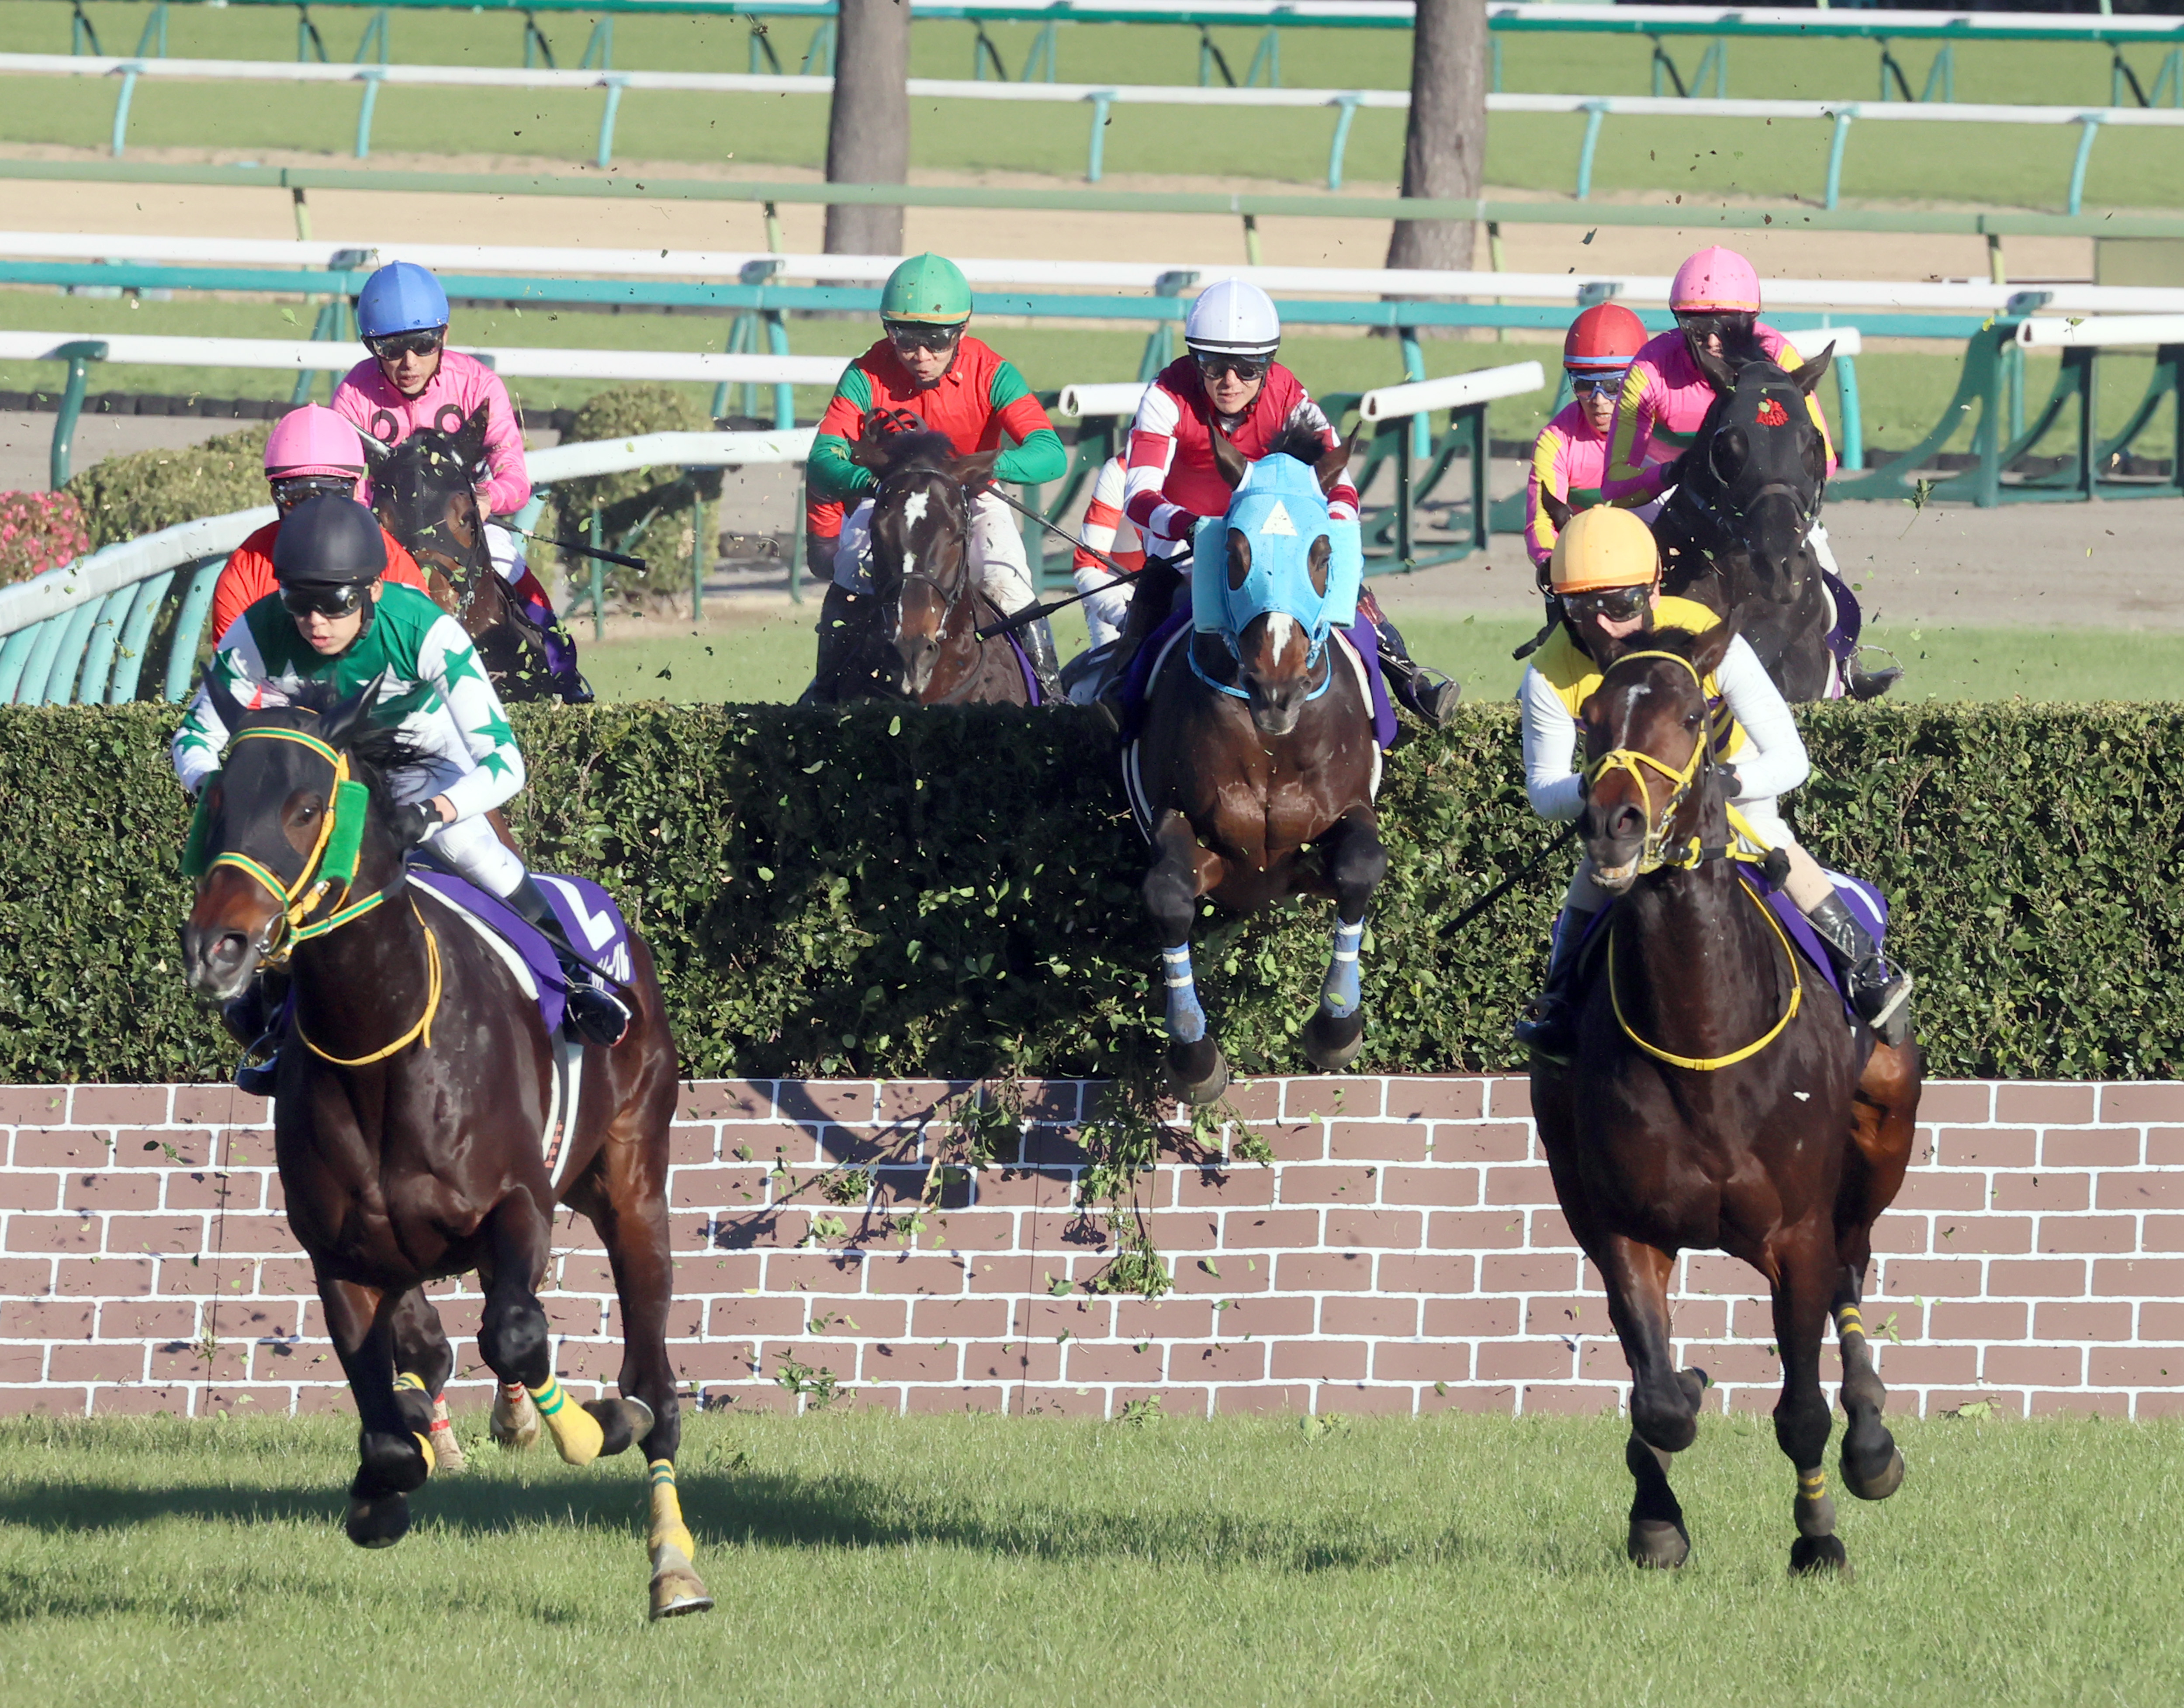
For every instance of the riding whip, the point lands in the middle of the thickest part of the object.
(1507, 884)
(582, 550)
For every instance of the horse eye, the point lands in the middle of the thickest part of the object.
(1690, 720)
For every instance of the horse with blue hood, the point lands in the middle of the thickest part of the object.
(1259, 754)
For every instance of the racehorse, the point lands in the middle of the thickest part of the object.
(926, 646)
(1709, 1106)
(1735, 534)
(424, 492)
(409, 1116)
(1254, 773)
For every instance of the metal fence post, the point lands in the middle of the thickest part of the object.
(697, 549)
(375, 31)
(598, 582)
(1841, 140)
(1348, 103)
(534, 38)
(784, 394)
(1101, 100)
(371, 75)
(1853, 421)
(81, 34)
(79, 356)
(121, 109)
(98, 653)
(601, 42)
(614, 84)
(1595, 112)
(1414, 370)
(135, 636)
(152, 43)
(189, 624)
(819, 56)
(2089, 127)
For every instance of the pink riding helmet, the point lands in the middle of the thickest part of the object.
(314, 441)
(1715, 281)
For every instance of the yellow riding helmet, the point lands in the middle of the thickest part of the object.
(1604, 547)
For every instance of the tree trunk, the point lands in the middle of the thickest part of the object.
(1444, 145)
(868, 129)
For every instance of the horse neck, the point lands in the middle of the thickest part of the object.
(363, 982)
(1696, 969)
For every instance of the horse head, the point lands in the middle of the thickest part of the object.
(294, 818)
(1756, 471)
(1283, 554)
(425, 492)
(1648, 741)
(921, 533)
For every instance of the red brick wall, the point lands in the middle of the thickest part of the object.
(1403, 1253)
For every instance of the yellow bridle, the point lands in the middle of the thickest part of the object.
(1655, 853)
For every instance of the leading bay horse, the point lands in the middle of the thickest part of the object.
(1717, 1098)
(915, 637)
(410, 1111)
(1254, 773)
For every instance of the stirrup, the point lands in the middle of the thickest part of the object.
(1891, 1020)
(1549, 1030)
(595, 1015)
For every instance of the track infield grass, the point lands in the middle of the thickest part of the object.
(972, 1560)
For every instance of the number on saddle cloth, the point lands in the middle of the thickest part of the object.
(1280, 511)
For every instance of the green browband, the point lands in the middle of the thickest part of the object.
(352, 807)
(193, 852)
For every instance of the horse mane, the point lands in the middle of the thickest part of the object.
(1299, 439)
(888, 454)
(375, 750)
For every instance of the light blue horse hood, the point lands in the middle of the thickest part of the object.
(1280, 510)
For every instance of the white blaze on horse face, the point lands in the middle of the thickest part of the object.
(913, 508)
(1279, 626)
(910, 561)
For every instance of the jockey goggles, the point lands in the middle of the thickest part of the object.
(397, 344)
(1211, 365)
(1609, 604)
(290, 491)
(1596, 385)
(1728, 327)
(340, 600)
(910, 335)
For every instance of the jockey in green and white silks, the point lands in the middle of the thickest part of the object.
(333, 622)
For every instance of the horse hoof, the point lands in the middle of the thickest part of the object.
(677, 1588)
(621, 1423)
(447, 1456)
(1194, 1083)
(1658, 1545)
(1878, 1487)
(1331, 1044)
(397, 1463)
(515, 1424)
(1812, 1556)
(380, 1522)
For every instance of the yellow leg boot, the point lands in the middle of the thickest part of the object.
(577, 1433)
(405, 1382)
(675, 1586)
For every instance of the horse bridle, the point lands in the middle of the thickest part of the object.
(948, 596)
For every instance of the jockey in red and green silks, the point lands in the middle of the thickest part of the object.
(928, 367)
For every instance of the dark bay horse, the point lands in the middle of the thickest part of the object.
(1717, 1098)
(425, 494)
(409, 1113)
(1734, 534)
(915, 637)
(1262, 791)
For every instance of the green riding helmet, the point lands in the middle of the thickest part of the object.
(927, 290)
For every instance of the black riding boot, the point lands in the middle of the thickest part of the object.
(1881, 994)
(596, 1015)
(1429, 696)
(1550, 1028)
(1151, 594)
(252, 1019)
(1037, 641)
(842, 617)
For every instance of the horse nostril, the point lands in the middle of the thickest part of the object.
(1626, 821)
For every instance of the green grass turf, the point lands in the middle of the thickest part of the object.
(972, 1561)
(2007, 164)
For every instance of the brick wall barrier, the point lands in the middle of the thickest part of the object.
(1403, 1254)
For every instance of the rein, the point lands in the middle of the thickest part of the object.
(1325, 660)
(423, 1029)
(1708, 1063)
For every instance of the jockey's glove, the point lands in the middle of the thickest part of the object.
(414, 822)
(1732, 786)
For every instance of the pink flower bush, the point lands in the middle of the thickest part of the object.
(39, 532)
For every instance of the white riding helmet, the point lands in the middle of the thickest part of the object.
(1233, 317)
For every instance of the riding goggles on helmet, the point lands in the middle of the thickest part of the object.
(342, 599)
(1596, 385)
(1727, 327)
(398, 344)
(1211, 365)
(290, 491)
(1609, 604)
(907, 336)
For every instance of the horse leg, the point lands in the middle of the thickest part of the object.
(1356, 863)
(1884, 1117)
(1805, 1268)
(1195, 1070)
(392, 1458)
(624, 1193)
(1665, 1402)
(514, 1336)
(423, 1362)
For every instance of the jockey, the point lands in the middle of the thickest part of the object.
(1607, 575)
(1229, 376)
(929, 368)
(311, 450)
(414, 380)
(1570, 457)
(334, 620)
(1105, 537)
(1715, 297)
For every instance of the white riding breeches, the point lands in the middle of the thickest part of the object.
(468, 845)
(1822, 552)
(1107, 602)
(998, 558)
(507, 551)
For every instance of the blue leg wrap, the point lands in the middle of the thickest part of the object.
(1340, 996)
(1186, 1020)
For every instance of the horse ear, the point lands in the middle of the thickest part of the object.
(230, 711)
(344, 718)
(975, 469)
(1718, 374)
(1240, 559)
(1333, 468)
(1227, 458)
(1558, 513)
(1811, 374)
(1713, 647)
(1315, 562)
(470, 443)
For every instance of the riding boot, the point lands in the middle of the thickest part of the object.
(1150, 597)
(596, 1015)
(254, 1020)
(841, 618)
(1549, 1029)
(1429, 696)
(1037, 640)
(1881, 994)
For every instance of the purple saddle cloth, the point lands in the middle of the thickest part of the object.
(1136, 678)
(589, 918)
(1842, 638)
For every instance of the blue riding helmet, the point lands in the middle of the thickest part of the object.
(1280, 510)
(401, 296)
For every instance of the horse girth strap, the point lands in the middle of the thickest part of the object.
(422, 1031)
(1709, 1064)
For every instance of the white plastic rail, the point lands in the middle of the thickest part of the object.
(2127, 331)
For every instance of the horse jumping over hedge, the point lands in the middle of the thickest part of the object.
(414, 1114)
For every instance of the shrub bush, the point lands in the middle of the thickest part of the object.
(955, 893)
(39, 532)
(644, 512)
(122, 497)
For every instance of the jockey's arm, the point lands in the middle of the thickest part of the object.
(1037, 456)
(1151, 453)
(1632, 480)
(1547, 475)
(202, 738)
(828, 471)
(1550, 778)
(1773, 760)
(507, 488)
(449, 664)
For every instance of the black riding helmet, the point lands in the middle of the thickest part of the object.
(328, 541)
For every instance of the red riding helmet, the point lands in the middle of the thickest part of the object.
(1605, 339)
